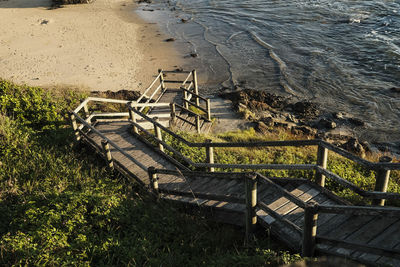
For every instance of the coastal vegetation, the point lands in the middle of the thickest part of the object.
(60, 206)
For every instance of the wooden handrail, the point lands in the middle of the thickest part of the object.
(187, 78)
(193, 93)
(196, 106)
(286, 193)
(189, 111)
(319, 169)
(177, 71)
(360, 210)
(94, 130)
(293, 143)
(356, 189)
(149, 88)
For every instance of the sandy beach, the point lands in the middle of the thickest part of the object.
(98, 46)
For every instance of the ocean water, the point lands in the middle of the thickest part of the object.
(343, 54)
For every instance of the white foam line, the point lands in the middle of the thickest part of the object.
(283, 79)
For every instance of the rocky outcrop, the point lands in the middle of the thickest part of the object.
(121, 94)
(305, 118)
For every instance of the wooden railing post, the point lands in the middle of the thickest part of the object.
(382, 181)
(185, 98)
(161, 80)
(322, 160)
(208, 107)
(157, 131)
(86, 111)
(196, 87)
(210, 155)
(107, 153)
(153, 180)
(251, 203)
(173, 112)
(198, 125)
(309, 229)
(133, 118)
(75, 127)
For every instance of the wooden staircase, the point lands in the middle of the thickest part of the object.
(301, 213)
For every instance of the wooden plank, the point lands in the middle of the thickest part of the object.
(173, 183)
(233, 191)
(349, 226)
(271, 195)
(324, 217)
(223, 198)
(299, 212)
(304, 196)
(166, 180)
(283, 200)
(227, 188)
(200, 183)
(367, 232)
(388, 261)
(238, 190)
(332, 224)
(300, 192)
(370, 230)
(389, 238)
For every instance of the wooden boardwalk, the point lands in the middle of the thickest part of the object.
(301, 213)
(380, 232)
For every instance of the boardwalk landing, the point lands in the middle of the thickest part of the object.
(374, 234)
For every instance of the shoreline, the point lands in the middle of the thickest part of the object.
(376, 105)
(106, 46)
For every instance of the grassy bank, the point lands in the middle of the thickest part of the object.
(59, 206)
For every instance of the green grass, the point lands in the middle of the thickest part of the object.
(60, 206)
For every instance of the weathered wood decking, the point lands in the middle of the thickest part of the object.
(374, 234)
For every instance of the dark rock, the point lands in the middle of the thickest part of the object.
(385, 159)
(145, 1)
(304, 130)
(356, 122)
(338, 137)
(262, 128)
(338, 115)
(263, 97)
(395, 89)
(179, 69)
(268, 121)
(291, 118)
(366, 146)
(194, 55)
(255, 100)
(306, 109)
(170, 39)
(184, 20)
(353, 145)
(282, 124)
(257, 105)
(326, 124)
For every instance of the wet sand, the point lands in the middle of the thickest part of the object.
(98, 46)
